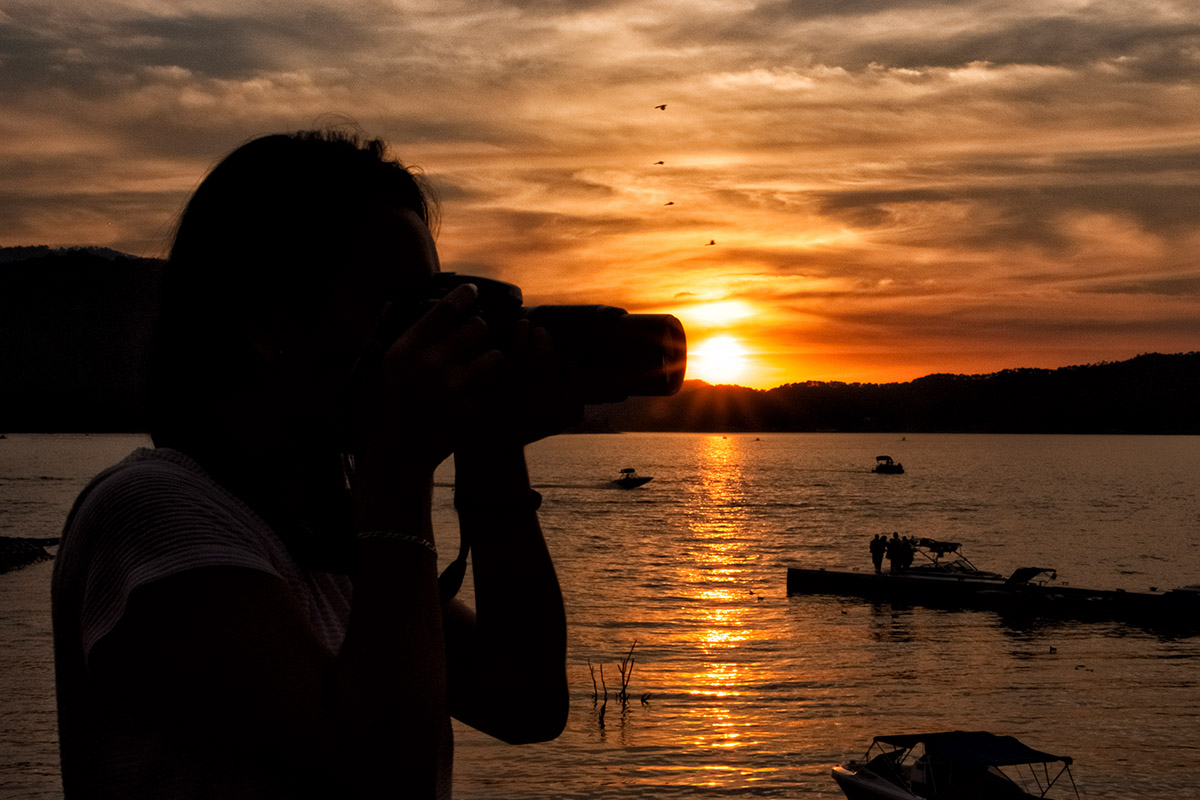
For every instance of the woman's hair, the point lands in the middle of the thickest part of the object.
(263, 234)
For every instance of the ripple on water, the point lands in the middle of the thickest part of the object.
(753, 693)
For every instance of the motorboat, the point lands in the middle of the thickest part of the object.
(884, 465)
(945, 578)
(955, 765)
(629, 479)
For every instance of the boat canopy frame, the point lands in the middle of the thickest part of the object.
(926, 545)
(976, 749)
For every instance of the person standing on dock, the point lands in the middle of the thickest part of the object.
(878, 548)
(895, 553)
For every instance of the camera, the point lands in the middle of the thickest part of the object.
(614, 354)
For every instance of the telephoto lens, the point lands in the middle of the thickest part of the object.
(615, 354)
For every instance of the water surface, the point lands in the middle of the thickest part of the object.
(753, 693)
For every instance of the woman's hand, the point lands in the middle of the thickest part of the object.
(409, 407)
(442, 386)
(531, 398)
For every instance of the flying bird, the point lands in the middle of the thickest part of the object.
(656, 163)
(663, 107)
(669, 203)
(711, 242)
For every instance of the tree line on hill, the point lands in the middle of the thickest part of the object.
(1150, 394)
(75, 326)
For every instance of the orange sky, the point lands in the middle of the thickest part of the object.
(858, 191)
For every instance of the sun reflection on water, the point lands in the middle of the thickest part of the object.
(714, 580)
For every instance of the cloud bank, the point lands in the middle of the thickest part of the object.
(896, 188)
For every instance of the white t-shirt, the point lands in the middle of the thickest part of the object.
(156, 514)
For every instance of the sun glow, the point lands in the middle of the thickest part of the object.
(720, 359)
(721, 312)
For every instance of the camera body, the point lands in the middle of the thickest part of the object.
(613, 354)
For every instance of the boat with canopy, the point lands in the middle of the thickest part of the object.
(955, 765)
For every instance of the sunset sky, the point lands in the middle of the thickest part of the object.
(848, 190)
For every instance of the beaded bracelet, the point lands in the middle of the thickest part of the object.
(529, 503)
(398, 537)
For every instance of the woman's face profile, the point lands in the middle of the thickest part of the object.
(389, 259)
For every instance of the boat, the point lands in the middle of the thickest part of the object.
(955, 765)
(937, 580)
(629, 479)
(884, 465)
(1032, 591)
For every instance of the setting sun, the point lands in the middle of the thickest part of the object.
(867, 199)
(721, 359)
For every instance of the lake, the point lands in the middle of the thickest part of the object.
(749, 692)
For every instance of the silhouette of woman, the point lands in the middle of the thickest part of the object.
(251, 608)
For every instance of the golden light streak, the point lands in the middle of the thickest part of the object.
(721, 312)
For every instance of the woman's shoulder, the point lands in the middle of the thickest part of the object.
(156, 484)
(141, 462)
(150, 462)
(157, 513)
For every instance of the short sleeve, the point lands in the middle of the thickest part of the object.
(147, 520)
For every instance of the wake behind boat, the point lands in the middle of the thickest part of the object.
(955, 765)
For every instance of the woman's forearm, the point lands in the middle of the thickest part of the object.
(519, 636)
(388, 681)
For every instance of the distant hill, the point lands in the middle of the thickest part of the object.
(1149, 394)
(75, 326)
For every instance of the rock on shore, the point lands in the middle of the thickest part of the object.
(16, 553)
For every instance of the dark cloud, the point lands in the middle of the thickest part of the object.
(1154, 50)
(1167, 286)
(860, 33)
(1146, 164)
(875, 208)
(540, 8)
(1020, 215)
(774, 12)
(91, 54)
(568, 184)
(234, 47)
(1140, 162)
(516, 235)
